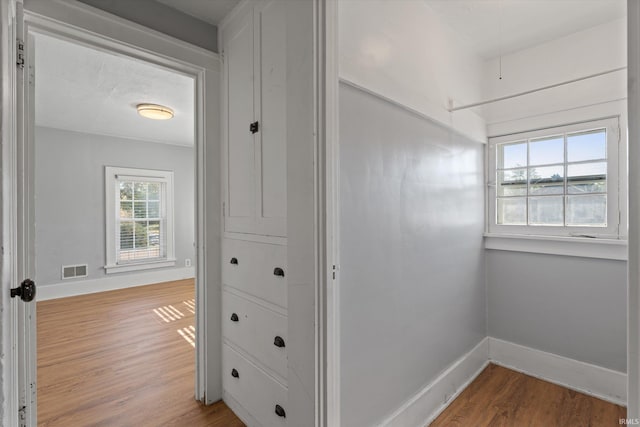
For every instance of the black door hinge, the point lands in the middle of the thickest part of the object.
(20, 54)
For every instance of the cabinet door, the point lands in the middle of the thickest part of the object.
(270, 68)
(240, 170)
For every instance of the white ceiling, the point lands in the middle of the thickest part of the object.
(211, 11)
(86, 90)
(494, 27)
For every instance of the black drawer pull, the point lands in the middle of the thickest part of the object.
(280, 411)
(278, 341)
(253, 127)
(234, 373)
(278, 272)
(234, 317)
(234, 261)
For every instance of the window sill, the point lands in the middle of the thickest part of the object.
(147, 265)
(568, 246)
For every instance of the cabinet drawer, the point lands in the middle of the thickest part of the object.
(253, 389)
(256, 268)
(257, 330)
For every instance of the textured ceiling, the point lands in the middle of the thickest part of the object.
(493, 27)
(211, 11)
(86, 90)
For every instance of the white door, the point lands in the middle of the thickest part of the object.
(17, 226)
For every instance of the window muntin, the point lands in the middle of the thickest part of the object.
(560, 181)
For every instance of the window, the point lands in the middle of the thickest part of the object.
(560, 181)
(139, 219)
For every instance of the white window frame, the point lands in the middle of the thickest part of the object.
(112, 202)
(611, 232)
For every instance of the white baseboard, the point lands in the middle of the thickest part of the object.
(239, 410)
(590, 379)
(110, 283)
(429, 402)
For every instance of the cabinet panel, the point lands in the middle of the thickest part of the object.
(257, 392)
(241, 173)
(250, 267)
(254, 329)
(272, 107)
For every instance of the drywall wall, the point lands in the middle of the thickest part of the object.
(70, 199)
(587, 52)
(570, 306)
(412, 290)
(402, 50)
(162, 18)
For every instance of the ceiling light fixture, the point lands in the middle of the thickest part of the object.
(155, 111)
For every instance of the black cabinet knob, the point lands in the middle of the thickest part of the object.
(278, 341)
(234, 373)
(280, 411)
(234, 261)
(234, 317)
(278, 272)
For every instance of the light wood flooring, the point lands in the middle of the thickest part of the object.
(502, 397)
(122, 358)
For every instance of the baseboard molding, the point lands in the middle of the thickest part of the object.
(429, 402)
(111, 283)
(590, 379)
(239, 410)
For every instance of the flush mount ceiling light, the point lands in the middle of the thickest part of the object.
(155, 111)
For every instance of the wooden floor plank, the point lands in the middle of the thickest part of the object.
(502, 397)
(122, 358)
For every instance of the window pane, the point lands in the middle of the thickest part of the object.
(587, 146)
(154, 191)
(126, 190)
(587, 210)
(546, 180)
(126, 209)
(512, 211)
(587, 178)
(140, 191)
(140, 209)
(154, 236)
(546, 211)
(512, 155)
(126, 235)
(512, 182)
(141, 235)
(546, 151)
(154, 210)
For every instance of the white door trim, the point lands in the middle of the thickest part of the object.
(86, 25)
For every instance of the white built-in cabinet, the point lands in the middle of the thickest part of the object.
(254, 43)
(254, 296)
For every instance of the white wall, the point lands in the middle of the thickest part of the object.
(412, 290)
(70, 199)
(570, 306)
(401, 50)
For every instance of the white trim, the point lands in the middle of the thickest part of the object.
(147, 265)
(428, 403)
(112, 212)
(239, 410)
(567, 246)
(615, 204)
(83, 24)
(110, 283)
(586, 378)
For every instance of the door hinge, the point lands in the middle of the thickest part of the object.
(20, 54)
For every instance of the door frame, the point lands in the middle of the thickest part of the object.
(86, 25)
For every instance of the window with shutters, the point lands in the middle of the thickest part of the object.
(139, 219)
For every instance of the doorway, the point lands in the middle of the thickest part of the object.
(124, 40)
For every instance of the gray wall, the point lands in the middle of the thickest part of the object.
(70, 199)
(412, 288)
(162, 18)
(570, 306)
